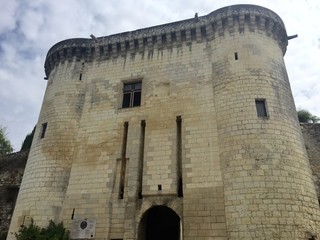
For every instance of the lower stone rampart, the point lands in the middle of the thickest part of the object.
(11, 171)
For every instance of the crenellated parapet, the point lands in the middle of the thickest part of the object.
(236, 19)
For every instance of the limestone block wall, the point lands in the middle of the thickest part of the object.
(311, 136)
(11, 172)
(43, 187)
(266, 173)
(93, 189)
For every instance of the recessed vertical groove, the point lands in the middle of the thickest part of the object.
(179, 157)
(123, 160)
(72, 215)
(141, 156)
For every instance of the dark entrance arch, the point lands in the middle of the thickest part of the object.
(159, 223)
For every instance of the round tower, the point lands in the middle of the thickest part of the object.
(47, 171)
(268, 185)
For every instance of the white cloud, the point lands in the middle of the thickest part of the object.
(7, 16)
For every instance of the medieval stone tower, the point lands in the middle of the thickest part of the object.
(186, 130)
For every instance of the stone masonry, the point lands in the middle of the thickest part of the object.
(311, 136)
(186, 130)
(11, 171)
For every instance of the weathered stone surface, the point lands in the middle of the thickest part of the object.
(311, 136)
(11, 172)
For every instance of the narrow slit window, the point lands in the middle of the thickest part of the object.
(131, 95)
(141, 155)
(179, 156)
(261, 108)
(72, 215)
(159, 187)
(43, 129)
(80, 77)
(235, 56)
(123, 160)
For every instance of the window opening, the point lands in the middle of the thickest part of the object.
(235, 56)
(72, 215)
(261, 108)
(159, 187)
(131, 95)
(43, 129)
(179, 157)
(80, 77)
(141, 156)
(123, 160)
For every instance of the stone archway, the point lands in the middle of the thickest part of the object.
(158, 223)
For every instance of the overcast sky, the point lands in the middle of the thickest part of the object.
(28, 28)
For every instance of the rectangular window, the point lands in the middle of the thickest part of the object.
(261, 108)
(43, 129)
(131, 95)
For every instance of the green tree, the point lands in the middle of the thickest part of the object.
(28, 141)
(305, 116)
(52, 232)
(5, 145)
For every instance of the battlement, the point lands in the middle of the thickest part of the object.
(228, 20)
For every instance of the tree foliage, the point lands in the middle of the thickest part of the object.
(28, 141)
(305, 116)
(5, 145)
(34, 232)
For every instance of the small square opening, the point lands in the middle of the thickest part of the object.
(261, 108)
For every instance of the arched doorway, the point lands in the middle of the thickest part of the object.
(159, 223)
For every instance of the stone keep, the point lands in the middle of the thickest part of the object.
(186, 130)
